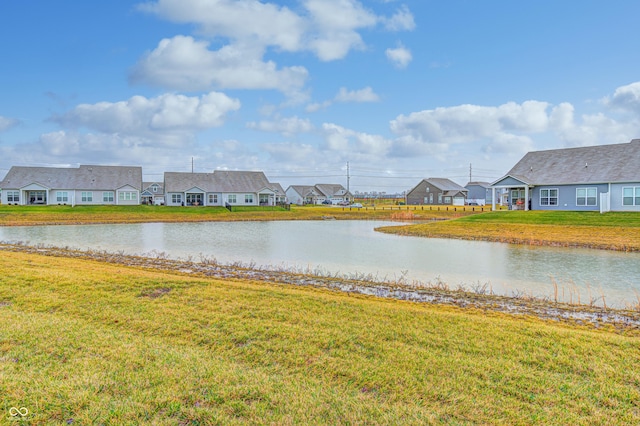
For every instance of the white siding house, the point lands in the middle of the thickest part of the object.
(318, 194)
(85, 185)
(221, 188)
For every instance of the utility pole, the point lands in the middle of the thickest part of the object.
(470, 180)
(348, 177)
(191, 164)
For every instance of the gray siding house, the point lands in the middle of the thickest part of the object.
(221, 188)
(479, 193)
(437, 191)
(602, 177)
(152, 193)
(85, 185)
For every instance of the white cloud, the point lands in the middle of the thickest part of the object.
(290, 153)
(333, 27)
(264, 24)
(182, 63)
(626, 98)
(338, 138)
(317, 106)
(598, 129)
(328, 28)
(511, 145)
(363, 95)
(163, 117)
(7, 123)
(466, 123)
(402, 20)
(286, 126)
(400, 56)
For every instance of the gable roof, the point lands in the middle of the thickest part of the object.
(219, 181)
(183, 181)
(443, 184)
(240, 181)
(482, 184)
(331, 189)
(589, 164)
(83, 177)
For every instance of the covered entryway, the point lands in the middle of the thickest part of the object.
(194, 199)
(36, 197)
(518, 190)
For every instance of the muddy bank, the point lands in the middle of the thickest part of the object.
(621, 320)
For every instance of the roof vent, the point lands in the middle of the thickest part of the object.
(586, 165)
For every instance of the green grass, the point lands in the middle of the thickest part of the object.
(85, 342)
(539, 217)
(50, 215)
(611, 231)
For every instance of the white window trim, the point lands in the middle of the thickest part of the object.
(549, 197)
(586, 196)
(635, 190)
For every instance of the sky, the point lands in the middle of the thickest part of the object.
(376, 94)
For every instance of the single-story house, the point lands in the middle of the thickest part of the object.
(437, 191)
(220, 188)
(152, 193)
(601, 177)
(318, 194)
(84, 185)
(479, 193)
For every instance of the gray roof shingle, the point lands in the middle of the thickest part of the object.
(84, 177)
(590, 164)
(219, 181)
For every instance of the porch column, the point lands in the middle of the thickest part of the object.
(526, 197)
(493, 199)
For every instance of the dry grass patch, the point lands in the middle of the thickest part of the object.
(600, 232)
(84, 342)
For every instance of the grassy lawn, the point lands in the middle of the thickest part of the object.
(614, 231)
(47, 215)
(84, 342)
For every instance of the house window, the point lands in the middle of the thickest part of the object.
(248, 198)
(13, 196)
(87, 197)
(439, 198)
(548, 197)
(586, 196)
(154, 188)
(631, 196)
(107, 197)
(176, 198)
(127, 196)
(213, 198)
(447, 200)
(62, 196)
(430, 198)
(264, 199)
(231, 199)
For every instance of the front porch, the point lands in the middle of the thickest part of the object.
(519, 193)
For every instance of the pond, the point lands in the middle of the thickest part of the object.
(354, 248)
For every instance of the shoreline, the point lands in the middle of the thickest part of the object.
(622, 320)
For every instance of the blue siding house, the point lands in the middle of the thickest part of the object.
(602, 177)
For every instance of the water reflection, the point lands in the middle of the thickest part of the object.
(353, 247)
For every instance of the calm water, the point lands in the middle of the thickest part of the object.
(353, 247)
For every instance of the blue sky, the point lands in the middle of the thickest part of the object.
(399, 90)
